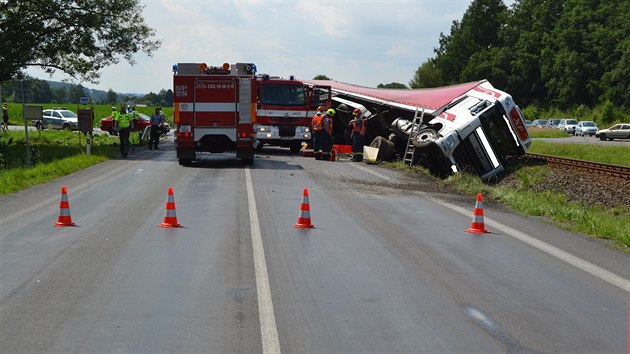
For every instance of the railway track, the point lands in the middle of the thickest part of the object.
(594, 167)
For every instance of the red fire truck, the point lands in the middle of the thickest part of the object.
(285, 109)
(214, 110)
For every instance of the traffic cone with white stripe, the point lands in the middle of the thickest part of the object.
(478, 226)
(304, 220)
(170, 219)
(64, 218)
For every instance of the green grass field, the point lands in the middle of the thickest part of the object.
(100, 111)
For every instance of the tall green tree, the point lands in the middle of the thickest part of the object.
(41, 91)
(427, 75)
(392, 85)
(478, 32)
(78, 37)
(74, 93)
(112, 96)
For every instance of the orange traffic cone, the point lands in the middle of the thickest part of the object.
(478, 226)
(304, 220)
(64, 218)
(170, 219)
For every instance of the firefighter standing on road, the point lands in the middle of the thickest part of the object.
(358, 131)
(322, 130)
(318, 132)
(123, 124)
(327, 122)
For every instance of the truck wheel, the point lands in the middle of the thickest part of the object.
(424, 138)
(39, 126)
(385, 148)
(248, 161)
(259, 146)
(185, 162)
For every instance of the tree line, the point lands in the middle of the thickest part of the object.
(42, 91)
(564, 53)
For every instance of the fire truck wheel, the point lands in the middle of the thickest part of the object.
(424, 138)
(185, 162)
(385, 148)
(248, 161)
(295, 148)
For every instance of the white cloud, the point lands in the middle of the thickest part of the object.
(357, 41)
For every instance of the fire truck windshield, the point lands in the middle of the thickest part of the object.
(282, 94)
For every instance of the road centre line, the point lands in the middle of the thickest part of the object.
(575, 261)
(268, 328)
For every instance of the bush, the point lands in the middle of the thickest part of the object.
(531, 112)
(608, 112)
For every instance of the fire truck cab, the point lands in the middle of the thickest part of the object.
(214, 110)
(285, 109)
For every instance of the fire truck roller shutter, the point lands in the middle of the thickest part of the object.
(245, 101)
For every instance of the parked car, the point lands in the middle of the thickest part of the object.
(585, 127)
(617, 131)
(539, 123)
(568, 125)
(528, 123)
(553, 123)
(57, 118)
(143, 125)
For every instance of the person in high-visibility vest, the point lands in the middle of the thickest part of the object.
(357, 124)
(123, 124)
(318, 132)
(327, 124)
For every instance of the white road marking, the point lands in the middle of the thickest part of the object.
(580, 263)
(268, 329)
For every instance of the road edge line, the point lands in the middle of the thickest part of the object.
(601, 273)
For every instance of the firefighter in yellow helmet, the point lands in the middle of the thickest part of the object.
(327, 125)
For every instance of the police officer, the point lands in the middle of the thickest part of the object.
(123, 124)
(357, 124)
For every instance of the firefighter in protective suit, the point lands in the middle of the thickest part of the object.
(322, 130)
(357, 124)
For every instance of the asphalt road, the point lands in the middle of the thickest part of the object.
(388, 267)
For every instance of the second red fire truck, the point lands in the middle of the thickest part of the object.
(285, 109)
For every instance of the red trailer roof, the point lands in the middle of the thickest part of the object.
(428, 98)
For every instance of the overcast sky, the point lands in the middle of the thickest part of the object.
(363, 42)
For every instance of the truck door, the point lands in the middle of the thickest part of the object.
(216, 102)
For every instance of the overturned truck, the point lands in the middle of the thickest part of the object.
(468, 127)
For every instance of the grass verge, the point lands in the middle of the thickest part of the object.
(596, 221)
(53, 154)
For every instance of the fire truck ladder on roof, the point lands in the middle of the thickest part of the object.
(410, 152)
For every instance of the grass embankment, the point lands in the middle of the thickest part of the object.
(612, 223)
(53, 154)
(616, 155)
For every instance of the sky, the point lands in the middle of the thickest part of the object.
(362, 42)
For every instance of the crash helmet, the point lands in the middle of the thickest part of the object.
(356, 112)
(330, 112)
